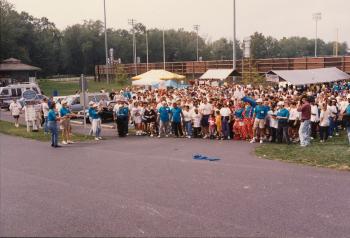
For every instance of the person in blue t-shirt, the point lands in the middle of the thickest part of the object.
(164, 118)
(52, 119)
(176, 114)
(122, 115)
(95, 120)
(260, 113)
(65, 115)
(282, 117)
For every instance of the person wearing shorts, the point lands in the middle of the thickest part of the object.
(65, 123)
(205, 109)
(260, 113)
(15, 109)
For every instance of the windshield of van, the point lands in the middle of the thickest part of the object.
(4, 92)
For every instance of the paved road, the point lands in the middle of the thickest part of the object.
(152, 187)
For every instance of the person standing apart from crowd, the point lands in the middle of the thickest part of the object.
(324, 123)
(205, 109)
(52, 125)
(259, 116)
(176, 115)
(15, 109)
(305, 127)
(163, 116)
(65, 114)
(122, 116)
(96, 121)
(282, 117)
(45, 109)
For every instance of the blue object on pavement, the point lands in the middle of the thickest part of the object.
(202, 157)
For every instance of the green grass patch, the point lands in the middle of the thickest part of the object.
(8, 128)
(335, 153)
(70, 87)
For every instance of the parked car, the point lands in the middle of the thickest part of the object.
(106, 114)
(76, 105)
(38, 99)
(15, 91)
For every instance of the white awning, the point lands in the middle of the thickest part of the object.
(218, 74)
(308, 76)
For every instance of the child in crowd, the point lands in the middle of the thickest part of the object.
(218, 123)
(212, 126)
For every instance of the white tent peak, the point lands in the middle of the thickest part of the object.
(307, 76)
(218, 74)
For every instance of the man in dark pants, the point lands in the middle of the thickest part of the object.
(123, 120)
(282, 117)
(176, 115)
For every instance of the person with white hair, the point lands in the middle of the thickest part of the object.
(15, 109)
(163, 117)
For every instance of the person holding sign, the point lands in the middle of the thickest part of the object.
(52, 125)
(65, 115)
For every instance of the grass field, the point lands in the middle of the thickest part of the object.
(335, 153)
(70, 87)
(9, 129)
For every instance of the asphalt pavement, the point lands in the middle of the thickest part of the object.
(138, 186)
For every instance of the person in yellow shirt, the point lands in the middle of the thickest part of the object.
(218, 123)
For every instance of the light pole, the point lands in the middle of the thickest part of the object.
(234, 37)
(146, 49)
(132, 22)
(317, 17)
(163, 50)
(106, 47)
(196, 28)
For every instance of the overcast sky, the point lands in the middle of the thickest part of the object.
(277, 18)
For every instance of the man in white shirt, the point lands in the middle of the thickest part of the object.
(314, 120)
(225, 113)
(15, 108)
(205, 110)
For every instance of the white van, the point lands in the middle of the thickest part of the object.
(12, 91)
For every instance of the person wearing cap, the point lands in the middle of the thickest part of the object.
(304, 129)
(260, 113)
(95, 120)
(122, 116)
(65, 115)
(282, 117)
(163, 118)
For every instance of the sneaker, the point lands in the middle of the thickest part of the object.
(189, 137)
(159, 136)
(167, 136)
(151, 135)
(70, 142)
(64, 142)
(261, 141)
(253, 140)
(205, 137)
(100, 138)
(337, 134)
(96, 138)
(57, 146)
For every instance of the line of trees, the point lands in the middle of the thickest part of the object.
(79, 47)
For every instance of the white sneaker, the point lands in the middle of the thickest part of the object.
(261, 141)
(64, 142)
(96, 138)
(253, 140)
(167, 136)
(159, 136)
(337, 134)
(151, 135)
(70, 142)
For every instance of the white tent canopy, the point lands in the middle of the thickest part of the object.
(218, 74)
(155, 76)
(308, 76)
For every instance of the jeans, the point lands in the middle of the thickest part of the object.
(96, 127)
(177, 128)
(314, 125)
(52, 126)
(188, 127)
(331, 126)
(163, 127)
(46, 129)
(324, 132)
(273, 134)
(304, 133)
(348, 130)
(283, 132)
(225, 127)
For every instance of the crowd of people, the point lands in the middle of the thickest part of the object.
(229, 112)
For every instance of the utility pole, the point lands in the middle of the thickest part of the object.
(106, 47)
(196, 28)
(163, 50)
(132, 22)
(234, 37)
(146, 49)
(317, 17)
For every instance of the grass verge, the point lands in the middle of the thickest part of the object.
(70, 87)
(335, 153)
(9, 129)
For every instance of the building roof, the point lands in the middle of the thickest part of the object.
(218, 74)
(308, 76)
(13, 64)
